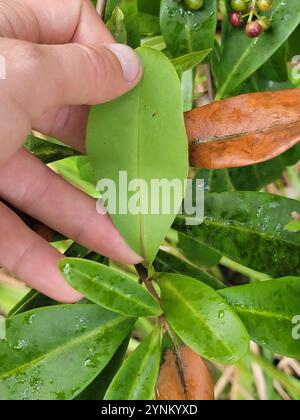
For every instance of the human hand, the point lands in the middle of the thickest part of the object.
(59, 58)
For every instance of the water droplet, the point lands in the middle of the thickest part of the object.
(20, 345)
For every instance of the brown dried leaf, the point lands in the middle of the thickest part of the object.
(243, 130)
(196, 383)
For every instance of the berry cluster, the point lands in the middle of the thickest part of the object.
(192, 4)
(251, 10)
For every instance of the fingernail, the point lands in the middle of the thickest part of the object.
(128, 59)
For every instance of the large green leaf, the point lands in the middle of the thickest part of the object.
(97, 389)
(242, 56)
(168, 263)
(249, 227)
(267, 310)
(54, 353)
(109, 287)
(198, 253)
(203, 320)
(186, 31)
(137, 377)
(132, 134)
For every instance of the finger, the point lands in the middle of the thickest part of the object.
(31, 258)
(41, 78)
(36, 190)
(52, 22)
(68, 124)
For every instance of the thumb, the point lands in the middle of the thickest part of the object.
(45, 76)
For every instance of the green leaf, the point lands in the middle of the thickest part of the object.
(132, 134)
(149, 6)
(77, 171)
(137, 377)
(97, 389)
(189, 61)
(109, 287)
(117, 26)
(168, 263)
(54, 353)
(203, 320)
(293, 226)
(148, 24)
(198, 253)
(48, 151)
(276, 67)
(130, 11)
(267, 310)
(216, 180)
(187, 31)
(242, 56)
(249, 227)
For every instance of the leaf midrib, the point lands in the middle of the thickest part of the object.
(105, 286)
(262, 313)
(198, 316)
(61, 349)
(231, 74)
(257, 232)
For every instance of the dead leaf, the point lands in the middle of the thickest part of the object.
(243, 130)
(193, 383)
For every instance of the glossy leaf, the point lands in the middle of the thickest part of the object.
(193, 372)
(54, 353)
(186, 31)
(202, 320)
(249, 228)
(109, 287)
(265, 125)
(267, 310)
(77, 170)
(168, 263)
(128, 134)
(198, 253)
(149, 6)
(97, 389)
(148, 24)
(189, 61)
(48, 151)
(242, 56)
(137, 377)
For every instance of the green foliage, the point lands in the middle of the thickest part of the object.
(89, 350)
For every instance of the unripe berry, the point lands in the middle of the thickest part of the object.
(253, 29)
(265, 5)
(239, 5)
(235, 19)
(265, 22)
(194, 4)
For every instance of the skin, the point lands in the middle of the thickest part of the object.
(60, 58)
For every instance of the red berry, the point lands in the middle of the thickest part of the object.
(253, 29)
(235, 19)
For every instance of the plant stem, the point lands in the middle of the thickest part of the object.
(246, 271)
